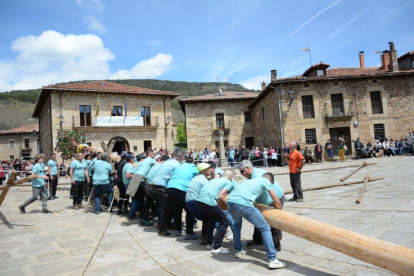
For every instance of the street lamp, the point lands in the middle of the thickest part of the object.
(291, 96)
(168, 121)
(61, 121)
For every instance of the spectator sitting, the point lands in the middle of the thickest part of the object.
(398, 147)
(387, 148)
(308, 155)
(370, 150)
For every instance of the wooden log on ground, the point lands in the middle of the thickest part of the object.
(5, 189)
(325, 169)
(392, 257)
(361, 192)
(354, 171)
(89, 201)
(335, 185)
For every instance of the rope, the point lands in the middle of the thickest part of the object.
(149, 254)
(102, 233)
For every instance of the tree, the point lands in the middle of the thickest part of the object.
(68, 143)
(182, 133)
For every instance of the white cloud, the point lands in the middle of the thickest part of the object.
(149, 68)
(53, 57)
(256, 82)
(157, 42)
(96, 5)
(95, 25)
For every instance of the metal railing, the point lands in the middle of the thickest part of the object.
(338, 109)
(376, 107)
(308, 111)
(220, 125)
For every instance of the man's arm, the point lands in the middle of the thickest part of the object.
(87, 176)
(276, 201)
(71, 175)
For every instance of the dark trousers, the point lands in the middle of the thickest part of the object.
(197, 214)
(357, 153)
(176, 199)
(78, 192)
(296, 184)
(165, 208)
(213, 214)
(53, 185)
(319, 154)
(276, 233)
(144, 201)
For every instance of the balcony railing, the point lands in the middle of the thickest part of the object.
(78, 122)
(338, 109)
(308, 111)
(376, 107)
(220, 125)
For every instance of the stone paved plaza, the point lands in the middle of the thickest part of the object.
(60, 243)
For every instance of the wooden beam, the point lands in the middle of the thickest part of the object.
(361, 192)
(392, 257)
(354, 171)
(5, 189)
(325, 169)
(103, 145)
(111, 147)
(89, 201)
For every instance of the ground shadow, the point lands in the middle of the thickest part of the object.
(10, 225)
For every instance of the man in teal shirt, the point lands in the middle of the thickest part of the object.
(207, 202)
(240, 205)
(38, 186)
(103, 170)
(133, 186)
(52, 163)
(78, 173)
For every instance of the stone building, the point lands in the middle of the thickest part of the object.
(207, 115)
(136, 118)
(321, 104)
(19, 142)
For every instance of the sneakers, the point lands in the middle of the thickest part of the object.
(238, 254)
(178, 233)
(55, 197)
(299, 200)
(164, 233)
(276, 264)
(146, 222)
(203, 240)
(132, 217)
(45, 211)
(253, 243)
(229, 237)
(191, 237)
(209, 246)
(50, 198)
(22, 210)
(97, 212)
(76, 207)
(220, 250)
(293, 199)
(195, 225)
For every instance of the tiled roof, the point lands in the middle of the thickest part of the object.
(22, 129)
(228, 95)
(348, 72)
(407, 54)
(110, 87)
(321, 64)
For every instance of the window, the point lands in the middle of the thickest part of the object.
(116, 111)
(307, 107)
(263, 114)
(89, 144)
(376, 102)
(220, 120)
(379, 131)
(310, 135)
(135, 148)
(11, 143)
(11, 157)
(247, 117)
(26, 143)
(85, 115)
(146, 113)
(337, 105)
(147, 145)
(320, 72)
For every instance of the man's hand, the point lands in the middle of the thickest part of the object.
(58, 176)
(45, 177)
(298, 169)
(73, 182)
(51, 177)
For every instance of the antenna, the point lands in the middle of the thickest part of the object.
(308, 49)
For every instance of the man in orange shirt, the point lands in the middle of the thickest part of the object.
(296, 163)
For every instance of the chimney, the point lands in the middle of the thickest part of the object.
(385, 60)
(361, 60)
(393, 58)
(263, 85)
(273, 75)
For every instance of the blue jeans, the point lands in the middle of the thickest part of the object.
(229, 219)
(265, 162)
(99, 189)
(231, 162)
(330, 153)
(134, 207)
(255, 217)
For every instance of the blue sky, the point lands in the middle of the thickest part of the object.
(44, 42)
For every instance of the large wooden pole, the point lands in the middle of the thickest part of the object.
(361, 192)
(324, 169)
(89, 200)
(392, 257)
(354, 171)
(11, 182)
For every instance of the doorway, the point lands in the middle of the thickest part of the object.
(147, 145)
(249, 142)
(121, 144)
(338, 132)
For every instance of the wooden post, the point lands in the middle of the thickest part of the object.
(11, 183)
(354, 171)
(325, 169)
(103, 145)
(392, 257)
(361, 193)
(89, 201)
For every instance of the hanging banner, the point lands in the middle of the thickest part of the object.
(119, 121)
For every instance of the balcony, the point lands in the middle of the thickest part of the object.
(221, 126)
(114, 123)
(377, 107)
(308, 111)
(338, 111)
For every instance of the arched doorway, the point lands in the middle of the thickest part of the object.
(121, 144)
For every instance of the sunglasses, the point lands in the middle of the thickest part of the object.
(242, 171)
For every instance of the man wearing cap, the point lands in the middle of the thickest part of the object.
(159, 189)
(176, 191)
(133, 186)
(140, 195)
(240, 204)
(206, 201)
(125, 168)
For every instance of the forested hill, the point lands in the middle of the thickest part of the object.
(22, 102)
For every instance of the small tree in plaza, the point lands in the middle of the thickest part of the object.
(68, 142)
(182, 134)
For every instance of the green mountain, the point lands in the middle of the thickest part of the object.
(22, 101)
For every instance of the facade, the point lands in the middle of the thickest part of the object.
(207, 115)
(146, 124)
(19, 142)
(322, 104)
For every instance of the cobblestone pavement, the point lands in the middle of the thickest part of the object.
(61, 242)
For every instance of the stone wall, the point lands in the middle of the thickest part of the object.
(6, 150)
(45, 129)
(201, 123)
